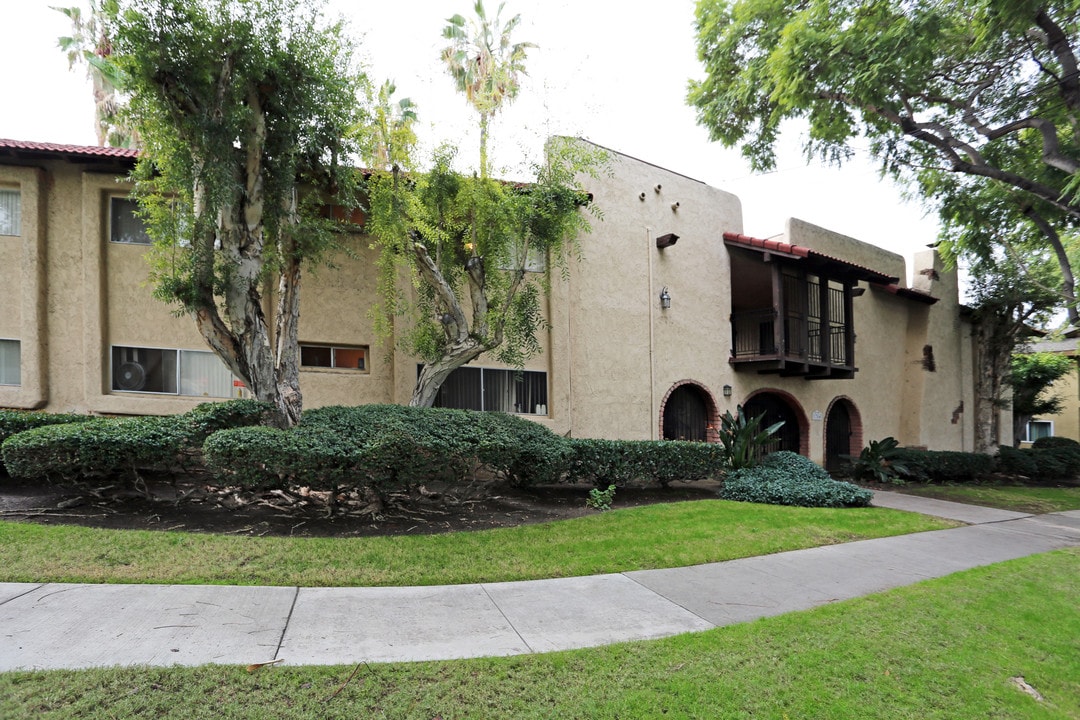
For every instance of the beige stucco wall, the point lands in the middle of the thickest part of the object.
(623, 353)
(24, 316)
(1067, 422)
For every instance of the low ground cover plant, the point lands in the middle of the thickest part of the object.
(787, 478)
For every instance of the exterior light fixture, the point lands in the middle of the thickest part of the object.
(665, 299)
(727, 391)
(667, 240)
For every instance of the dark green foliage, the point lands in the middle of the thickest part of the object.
(102, 447)
(398, 447)
(1054, 441)
(389, 447)
(123, 447)
(787, 478)
(941, 466)
(878, 462)
(743, 438)
(640, 462)
(1043, 463)
(16, 421)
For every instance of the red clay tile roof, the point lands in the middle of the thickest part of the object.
(76, 150)
(798, 251)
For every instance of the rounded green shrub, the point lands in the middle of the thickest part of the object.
(13, 422)
(106, 447)
(1054, 441)
(787, 478)
(389, 447)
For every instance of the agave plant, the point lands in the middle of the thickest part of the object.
(743, 438)
(877, 462)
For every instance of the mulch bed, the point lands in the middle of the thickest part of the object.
(194, 506)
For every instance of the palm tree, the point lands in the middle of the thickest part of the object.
(90, 42)
(485, 65)
(394, 137)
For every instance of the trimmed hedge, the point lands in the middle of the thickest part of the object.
(627, 462)
(394, 447)
(787, 478)
(944, 466)
(13, 422)
(1054, 441)
(389, 447)
(107, 447)
(1057, 462)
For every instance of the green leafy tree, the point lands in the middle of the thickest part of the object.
(242, 108)
(485, 64)
(981, 90)
(90, 42)
(468, 243)
(1031, 378)
(1006, 301)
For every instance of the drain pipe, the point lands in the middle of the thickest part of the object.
(652, 363)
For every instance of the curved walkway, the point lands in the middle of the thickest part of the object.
(45, 626)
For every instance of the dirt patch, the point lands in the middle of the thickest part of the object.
(193, 506)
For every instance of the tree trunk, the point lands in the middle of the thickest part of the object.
(434, 374)
(991, 365)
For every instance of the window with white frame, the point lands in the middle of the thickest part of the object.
(511, 391)
(10, 362)
(534, 259)
(10, 212)
(1036, 429)
(197, 373)
(125, 225)
(334, 356)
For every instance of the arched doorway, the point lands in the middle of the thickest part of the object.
(687, 412)
(775, 407)
(843, 433)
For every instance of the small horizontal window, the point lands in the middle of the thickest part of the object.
(10, 212)
(125, 225)
(334, 356)
(196, 373)
(10, 362)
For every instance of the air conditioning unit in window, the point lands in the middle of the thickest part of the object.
(129, 373)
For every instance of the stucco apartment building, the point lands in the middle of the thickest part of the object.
(1066, 422)
(672, 317)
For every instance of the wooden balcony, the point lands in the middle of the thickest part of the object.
(800, 345)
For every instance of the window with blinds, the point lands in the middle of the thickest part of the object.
(10, 212)
(510, 391)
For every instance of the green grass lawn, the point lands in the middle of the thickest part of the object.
(1022, 498)
(945, 648)
(667, 535)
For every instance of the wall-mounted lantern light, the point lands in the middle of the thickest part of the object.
(727, 391)
(667, 240)
(665, 299)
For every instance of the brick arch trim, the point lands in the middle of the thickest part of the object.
(796, 407)
(855, 446)
(710, 407)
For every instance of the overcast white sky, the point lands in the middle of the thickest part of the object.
(604, 70)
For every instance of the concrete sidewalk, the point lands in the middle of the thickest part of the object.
(45, 626)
